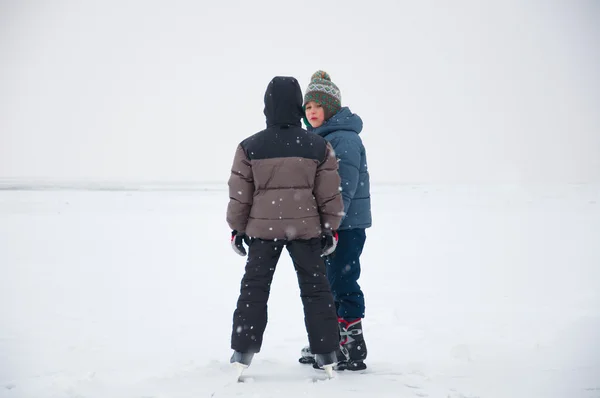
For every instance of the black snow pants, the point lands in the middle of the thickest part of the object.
(250, 316)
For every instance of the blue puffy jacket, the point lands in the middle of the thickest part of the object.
(342, 131)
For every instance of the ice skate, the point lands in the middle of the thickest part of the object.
(353, 345)
(306, 356)
(326, 362)
(240, 362)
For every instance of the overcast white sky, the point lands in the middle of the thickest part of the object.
(468, 92)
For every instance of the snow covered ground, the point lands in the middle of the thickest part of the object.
(472, 291)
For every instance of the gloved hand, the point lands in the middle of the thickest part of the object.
(329, 241)
(237, 242)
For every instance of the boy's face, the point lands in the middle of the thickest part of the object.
(315, 114)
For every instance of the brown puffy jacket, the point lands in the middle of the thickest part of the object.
(284, 182)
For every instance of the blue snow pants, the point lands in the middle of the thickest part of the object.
(343, 271)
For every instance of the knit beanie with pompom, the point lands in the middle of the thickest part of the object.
(323, 91)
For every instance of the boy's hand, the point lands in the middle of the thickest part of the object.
(237, 242)
(329, 241)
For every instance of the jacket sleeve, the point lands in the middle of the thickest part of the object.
(327, 191)
(241, 191)
(348, 152)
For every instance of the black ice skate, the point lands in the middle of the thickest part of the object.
(352, 345)
(306, 356)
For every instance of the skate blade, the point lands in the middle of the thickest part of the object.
(239, 369)
(328, 371)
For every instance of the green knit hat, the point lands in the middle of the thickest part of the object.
(323, 91)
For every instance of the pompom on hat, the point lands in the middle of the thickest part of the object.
(323, 91)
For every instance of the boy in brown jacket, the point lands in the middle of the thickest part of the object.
(284, 192)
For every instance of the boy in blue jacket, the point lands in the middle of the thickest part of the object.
(325, 116)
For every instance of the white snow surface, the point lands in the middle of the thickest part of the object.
(471, 291)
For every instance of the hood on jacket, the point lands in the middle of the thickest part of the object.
(283, 102)
(343, 120)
